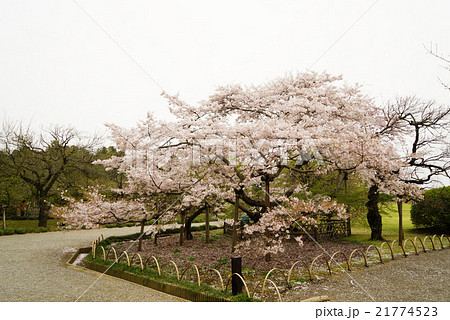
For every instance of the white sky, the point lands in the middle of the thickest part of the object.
(58, 66)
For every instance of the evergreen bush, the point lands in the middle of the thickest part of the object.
(433, 211)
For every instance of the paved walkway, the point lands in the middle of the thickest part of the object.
(33, 268)
(423, 277)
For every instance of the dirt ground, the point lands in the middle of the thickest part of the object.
(217, 254)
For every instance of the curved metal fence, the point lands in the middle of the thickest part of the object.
(311, 269)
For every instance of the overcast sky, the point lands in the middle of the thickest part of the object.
(86, 63)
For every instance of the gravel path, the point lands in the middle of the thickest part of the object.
(33, 268)
(424, 277)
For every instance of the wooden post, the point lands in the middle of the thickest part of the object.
(141, 234)
(236, 218)
(267, 198)
(4, 218)
(207, 224)
(401, 235)
(236, 282)
(316, 233)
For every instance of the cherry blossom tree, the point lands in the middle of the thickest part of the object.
(95, 210)
(283, 126)
(309, 122)
(253, 144)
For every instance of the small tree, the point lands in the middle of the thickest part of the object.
(95, 210)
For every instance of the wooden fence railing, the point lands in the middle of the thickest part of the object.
(324, 230)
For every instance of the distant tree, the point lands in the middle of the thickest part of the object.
(13, 190)
(83, 174)
(345, 188)
(111, 178)
(40, 160)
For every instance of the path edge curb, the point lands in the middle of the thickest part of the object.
(146, 282)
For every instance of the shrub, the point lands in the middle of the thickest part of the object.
(1, 232)
(7, 232)
(433, 211)
(20, 231)
(16, 217)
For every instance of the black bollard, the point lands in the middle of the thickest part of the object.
(236, 282)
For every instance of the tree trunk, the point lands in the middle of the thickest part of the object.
(373, 214)
(401, 235)
(43, 212)
(4, 217)
(188, 223)
(187, 229)
(42, 219)
(267, 194)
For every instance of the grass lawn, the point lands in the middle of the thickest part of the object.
(361, 230)
(26, 226)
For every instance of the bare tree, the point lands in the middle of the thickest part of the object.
(422, 128)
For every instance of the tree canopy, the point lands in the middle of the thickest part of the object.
(262, 143)
(38, 167)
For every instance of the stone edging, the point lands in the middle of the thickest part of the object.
(150, 283)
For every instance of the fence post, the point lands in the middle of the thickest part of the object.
(207, 224)
(236, 282)
(316, 233)
(141, 234)
(235, 222)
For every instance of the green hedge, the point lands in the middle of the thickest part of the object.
(16, 217)
(135, 236)
(433, 211)
(8, 232)
(11, 231)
